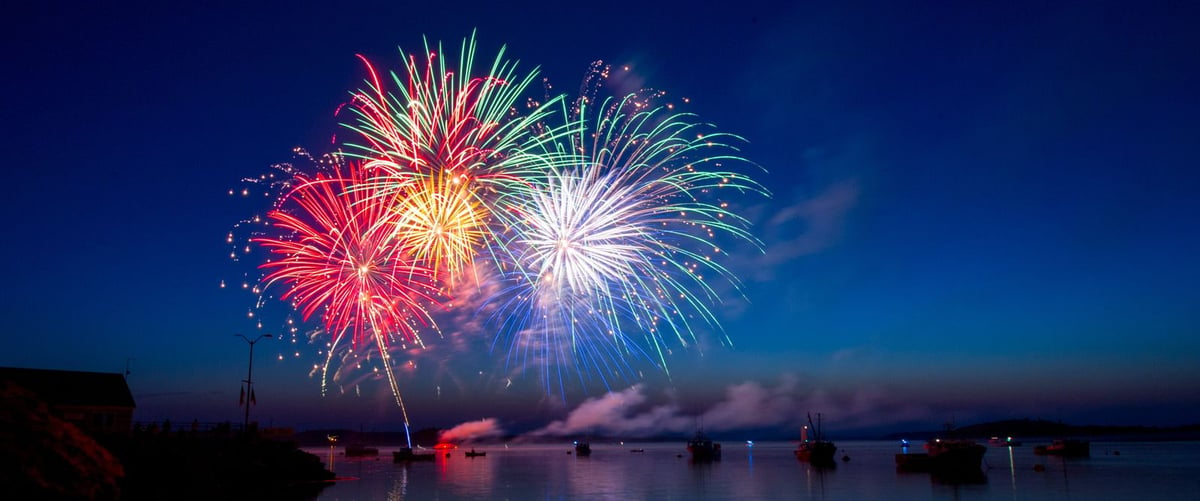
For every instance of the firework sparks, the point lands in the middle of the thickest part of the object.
(612, 256)
(445, 141)
(336, 256)
(439, 222)
(603, 220)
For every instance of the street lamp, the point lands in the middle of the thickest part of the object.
(250, 382)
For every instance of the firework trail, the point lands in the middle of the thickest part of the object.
(336, 257)
(345, 367)
(612, 256)
(443, 141)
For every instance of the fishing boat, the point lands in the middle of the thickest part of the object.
(583, 448)
(472, 454)
(703, 448)
(406, 454)
(818, 451)
(947, 457)
(1065, 448)
(954, 455)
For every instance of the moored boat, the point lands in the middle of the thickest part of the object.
(406, 454)
(583, 448)
(946, 457)
(818, 451)
(954, 456)
(702, 448)
(955, 453)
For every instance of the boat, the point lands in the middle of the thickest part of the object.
(583, 448)
(406, 454)
(1003, 442)
(944, 457)
(472, 454)
(703, 448)
(637, 451)
(955, 456)
(818, 451)
(1065, 448)
(947, 457)
(360, 450)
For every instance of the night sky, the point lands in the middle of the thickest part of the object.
(977, 211)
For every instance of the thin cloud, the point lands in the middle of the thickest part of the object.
(806, 227)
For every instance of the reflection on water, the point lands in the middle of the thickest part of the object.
(766, 471)
(815, 480)
(1012, 468)
(400, 487)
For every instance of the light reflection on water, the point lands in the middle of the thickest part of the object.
(1161, 470)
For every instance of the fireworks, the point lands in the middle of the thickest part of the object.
(339, 256)
(440, 222)
(445, 141)
(602, 221)
(336, 256)
(610, 256)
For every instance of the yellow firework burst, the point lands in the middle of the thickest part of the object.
(440, 222)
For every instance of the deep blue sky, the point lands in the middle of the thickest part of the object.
(978, 211)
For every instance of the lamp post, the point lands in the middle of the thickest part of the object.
(249, 381)
(332, 441)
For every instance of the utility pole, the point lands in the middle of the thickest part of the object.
(249, 380)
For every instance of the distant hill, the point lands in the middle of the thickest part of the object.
(1026, 428)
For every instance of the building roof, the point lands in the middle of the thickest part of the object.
(72, 387)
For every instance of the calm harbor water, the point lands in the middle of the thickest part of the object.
(1115, 470)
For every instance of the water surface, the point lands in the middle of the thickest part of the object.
(1116, 470)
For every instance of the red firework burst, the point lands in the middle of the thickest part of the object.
(336, 255)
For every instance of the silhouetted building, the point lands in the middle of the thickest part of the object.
(98, 402)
